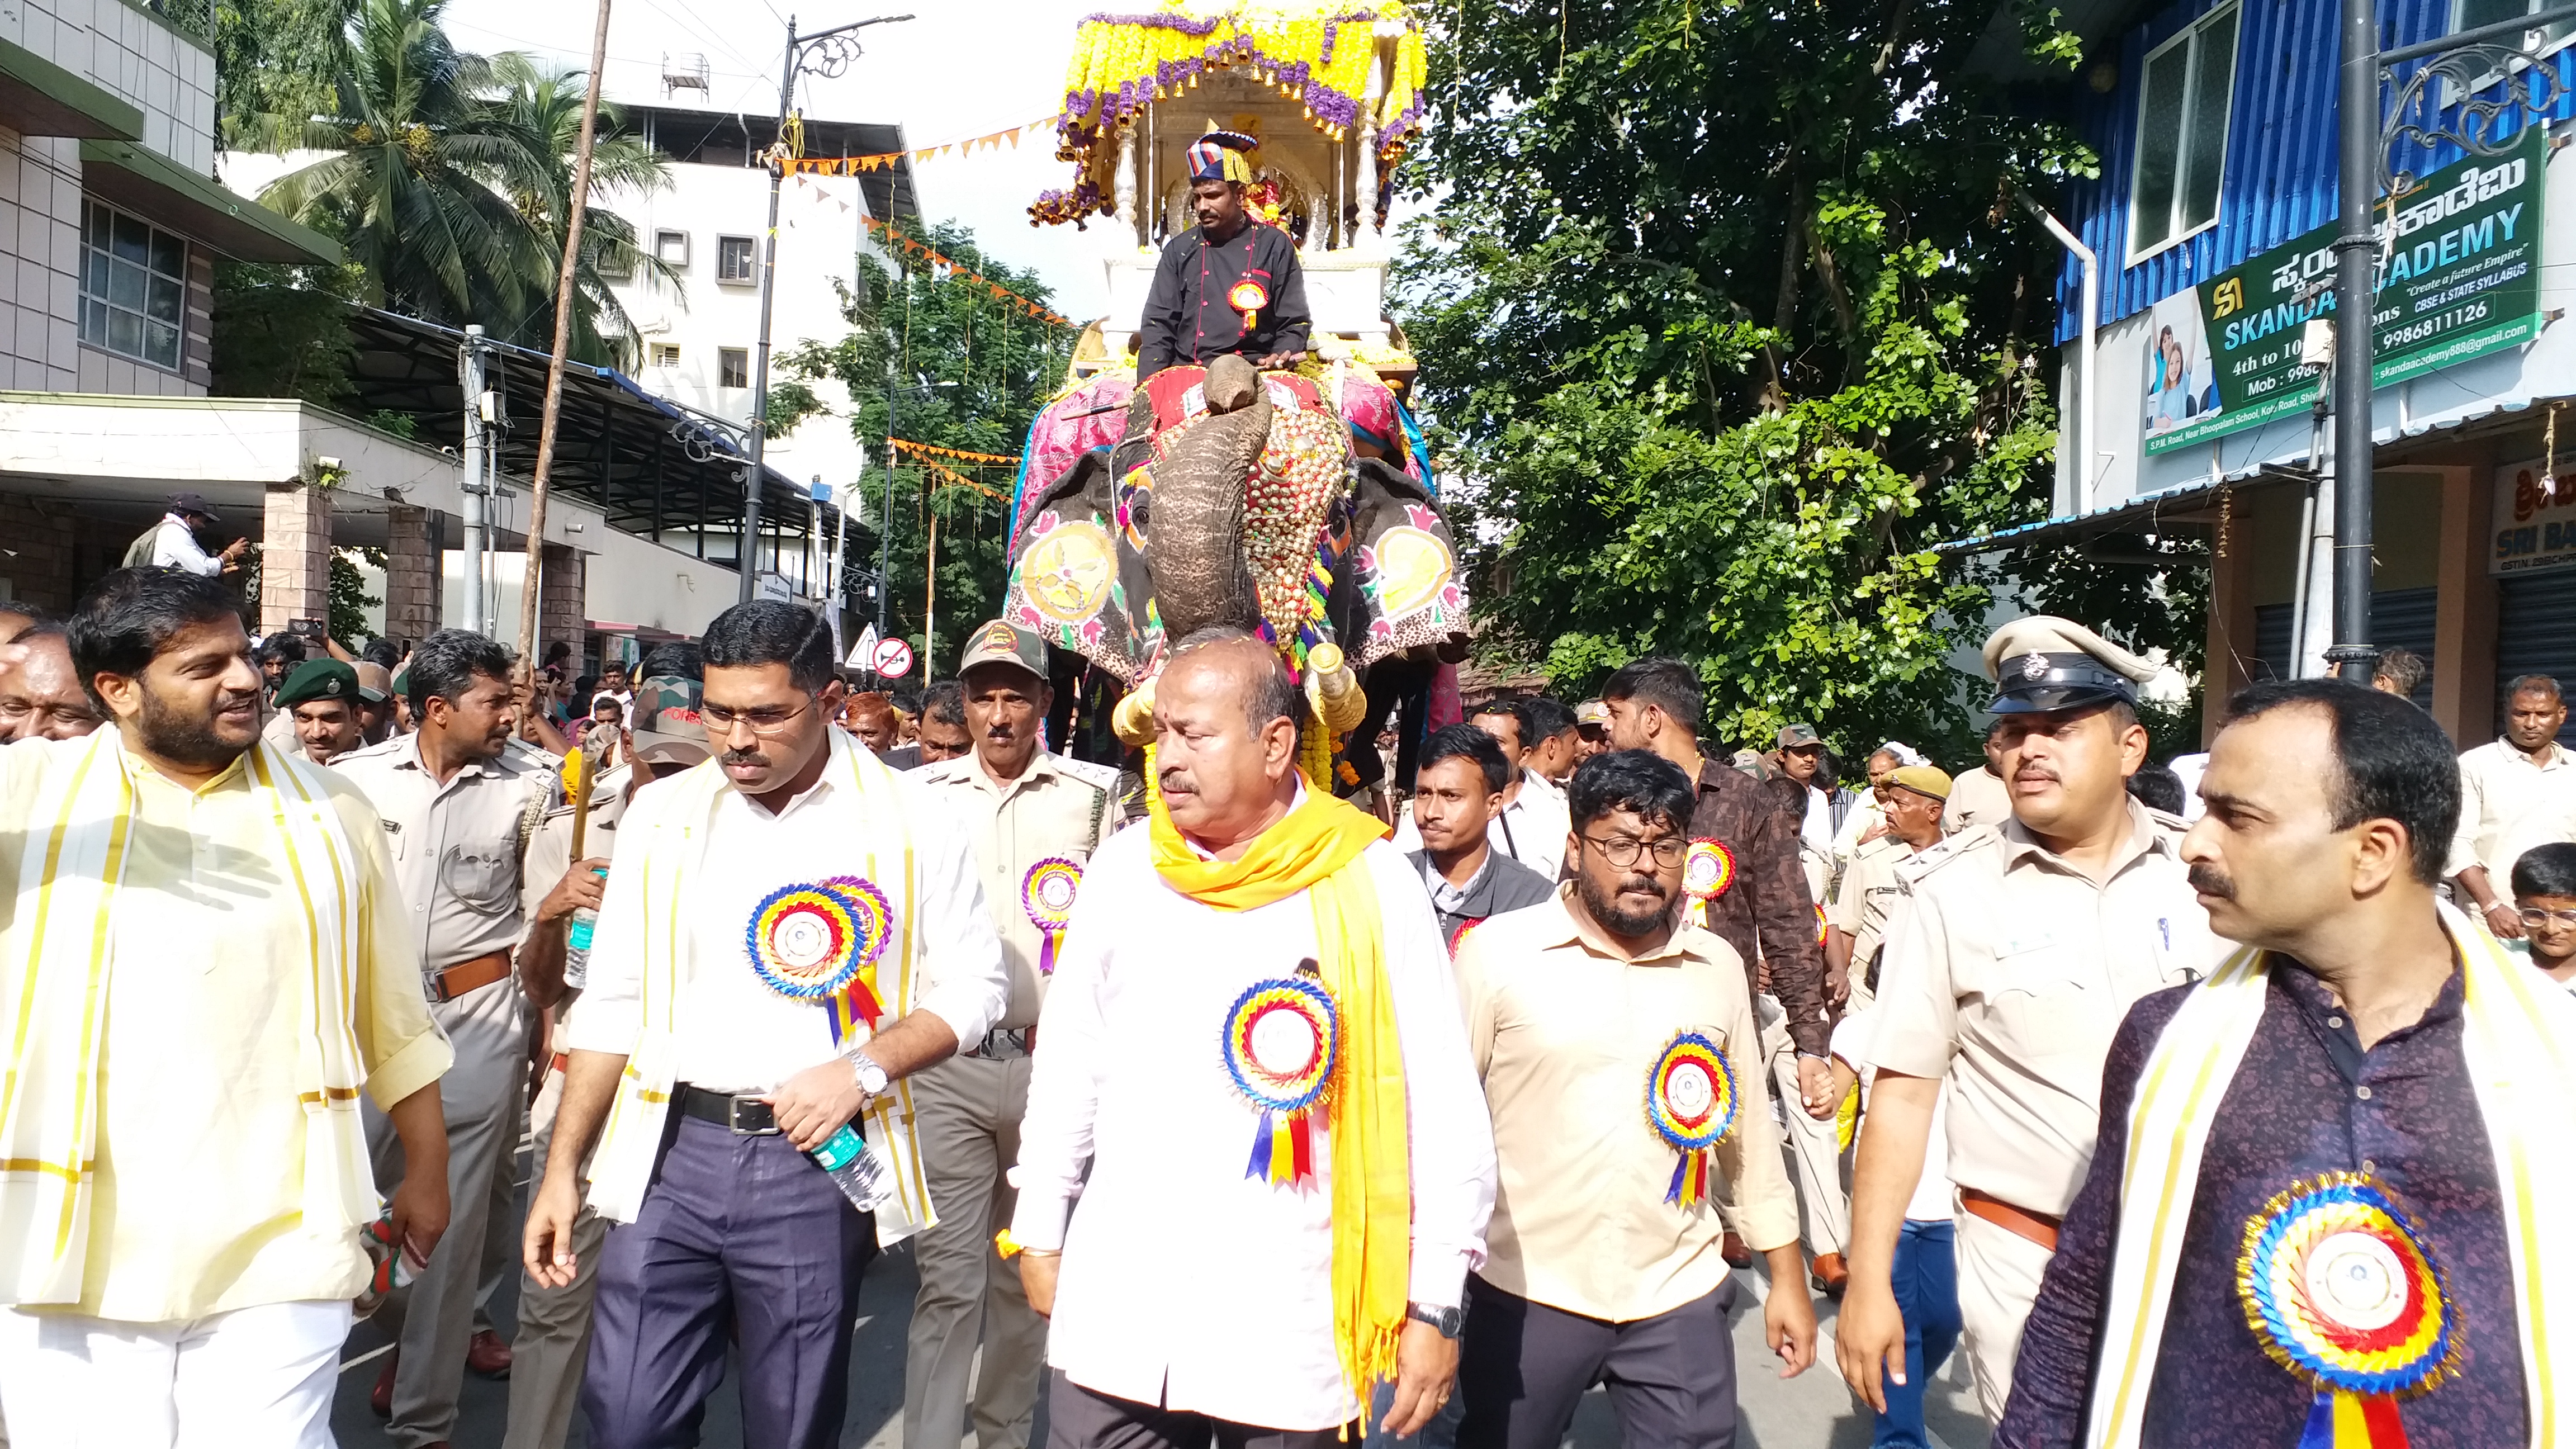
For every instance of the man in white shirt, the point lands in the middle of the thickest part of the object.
(793, 931)
(1259, 937)
(175, 546)
(2516, 793)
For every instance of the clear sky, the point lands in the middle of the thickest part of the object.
(961, 68)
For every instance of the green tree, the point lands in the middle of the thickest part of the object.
(448, 178)
(965, 370)
(1726, 317)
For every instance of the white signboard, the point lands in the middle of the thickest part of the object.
(863, 655)
(2535, 517)
(894, 658)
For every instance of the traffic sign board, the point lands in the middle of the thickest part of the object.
(894, 658)
(863, 655)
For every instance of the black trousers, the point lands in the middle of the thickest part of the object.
(1524, 1365)
(1078, 1418)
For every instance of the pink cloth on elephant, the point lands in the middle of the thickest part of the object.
(1369, 407)
(1093, 415)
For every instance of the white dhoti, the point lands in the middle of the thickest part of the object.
(252, 1376)
(1815, 1148)
(1998, 1281)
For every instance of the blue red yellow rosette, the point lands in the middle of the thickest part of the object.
(819, 942)
(2342, 1290)
(1690, 1102)
(1282, 1041)
(1047, 893)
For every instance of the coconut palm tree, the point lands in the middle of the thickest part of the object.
(448, 176)
(542, 106)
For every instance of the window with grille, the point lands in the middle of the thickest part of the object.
(134, 287)
(2182, 132)
(733, 367)
(733, 259)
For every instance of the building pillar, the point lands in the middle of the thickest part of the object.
(411, 573)
(295, 556)
(560, 612)
(2464, 605)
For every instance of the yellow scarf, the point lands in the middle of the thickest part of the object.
(1316, 849)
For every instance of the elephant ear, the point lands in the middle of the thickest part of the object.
(1067, 584)
(1406, 568)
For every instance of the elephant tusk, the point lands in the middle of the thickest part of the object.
(1133, 719)
(1333, 690)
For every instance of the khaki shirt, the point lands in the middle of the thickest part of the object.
(1056, 807)
(456, 846)
(2009, 972)
(550, 849)
(1869, 890)
(2507, 806)
(1565, 1030)
(1977, 797)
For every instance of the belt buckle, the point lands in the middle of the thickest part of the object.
(733, 1117)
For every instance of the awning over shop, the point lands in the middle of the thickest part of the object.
(40, 98)
(197, 206)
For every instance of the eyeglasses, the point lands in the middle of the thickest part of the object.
(2536, 918)
(1622, 851)
(720, 720)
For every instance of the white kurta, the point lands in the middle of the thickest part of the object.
(1184, 1282)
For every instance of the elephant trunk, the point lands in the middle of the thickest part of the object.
(1197, 554)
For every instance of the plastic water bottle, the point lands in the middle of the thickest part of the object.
(855, 1168)
(577, 943)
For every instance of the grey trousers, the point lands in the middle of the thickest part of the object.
(968, 1111)
(1524, 1365)
(481, 1097)
(1078, 1418)
(553, 1341)
(1815, 1148)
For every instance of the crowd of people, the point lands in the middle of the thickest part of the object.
(2196, 1102)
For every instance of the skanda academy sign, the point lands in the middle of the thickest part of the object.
(2459, 277)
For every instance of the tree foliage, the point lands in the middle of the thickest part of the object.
(962, 370)
(448, 175)
(1727, 315)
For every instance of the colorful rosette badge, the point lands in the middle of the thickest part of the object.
(1047, 893)
(1690, 1102)
(819, 942)
(1707, 871)
(2343, 1291)
(1248, 297)
(1282, 1039)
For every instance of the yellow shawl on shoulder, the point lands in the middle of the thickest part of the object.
(1317, 849)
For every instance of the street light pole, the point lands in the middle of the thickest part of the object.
(832, 55)
(2355, 261)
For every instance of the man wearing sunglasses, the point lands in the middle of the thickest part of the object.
(1604, 1255)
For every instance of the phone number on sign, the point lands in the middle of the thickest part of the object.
(2433, 326)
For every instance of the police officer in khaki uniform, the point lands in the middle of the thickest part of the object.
(554, 1323)
(1023, 805)
(1856, 922)
(456, 803)
(2018, 950)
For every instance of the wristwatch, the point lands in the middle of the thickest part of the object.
(872, 1078)
(1450, 1321)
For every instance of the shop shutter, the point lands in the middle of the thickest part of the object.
(2535, 634)
(2399, 619)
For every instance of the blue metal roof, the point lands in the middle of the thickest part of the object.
(2279, 178)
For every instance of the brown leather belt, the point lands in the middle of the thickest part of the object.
(465, 976)
(2039, 1228)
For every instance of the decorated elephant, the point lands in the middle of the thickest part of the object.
(1232, 497)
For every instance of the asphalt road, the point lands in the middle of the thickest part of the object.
(1812, 1411)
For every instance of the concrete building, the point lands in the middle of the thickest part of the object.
(111, 222)
(2212, 220)
(696, 342)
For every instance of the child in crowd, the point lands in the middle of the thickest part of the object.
(2544, 891)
